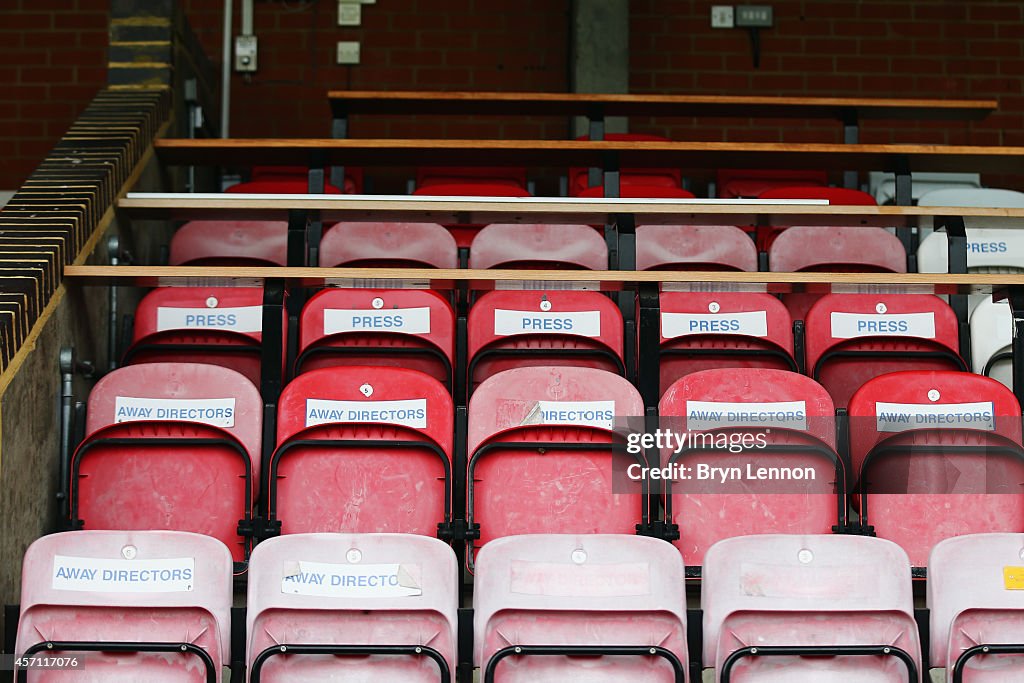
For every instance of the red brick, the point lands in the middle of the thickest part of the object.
(25, 21)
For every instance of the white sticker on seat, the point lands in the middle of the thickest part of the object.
(582, 413)
(103, 575)
(899, 417)
(408, 412)
(351, 580)
(404, 320)
(238, 319)
(853, 325)
(701, 415)
(218, 412)
(579, 323)
(750, 323)
(622, 579)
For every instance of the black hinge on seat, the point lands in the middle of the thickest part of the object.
(660, 529)
(854, 529)
(458, 530)
(258, 528)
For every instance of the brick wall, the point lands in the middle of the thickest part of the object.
(53, 60)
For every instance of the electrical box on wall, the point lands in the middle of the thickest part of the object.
(348, 52)
(350, 13)
(246, 49)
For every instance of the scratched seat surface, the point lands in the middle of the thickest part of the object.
(129, 587)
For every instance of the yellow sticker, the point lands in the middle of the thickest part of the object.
(1013, 578)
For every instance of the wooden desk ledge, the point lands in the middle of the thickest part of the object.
(603, 280)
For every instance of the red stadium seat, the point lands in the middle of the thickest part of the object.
(170, 446)
(599, 597)
(631, 191)
(852, 338)
(794, 417)
(282, 184)
(833, 249)
(527, 329)
(362, 450)
(702, 331)
(836, 196)
(429, 176)
(735, 183)
(375, 245)
(464, 234)
(511, 245)
(128, 605)
(783, 608)
(579, 178)
(390, 597)
(218, 325)
(540, 445)
(975, 605)
(398, 328)
(937, 455)
(230, 243)
(694, 247)
(353, 177)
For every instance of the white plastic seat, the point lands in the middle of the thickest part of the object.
(883, 185)
(386, 603)
(809, 594)
(606, 601)
(991, 340)
(975, 600)
(164, 597)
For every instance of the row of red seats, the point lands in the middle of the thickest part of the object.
(832, 609)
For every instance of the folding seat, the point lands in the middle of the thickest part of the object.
(836, 196)
(352, 607)
(646, 178)
(701, 331)
(852, 338)
(353, 179)
(445, 176)
(541, 447)
(992, 340)
(883, 185)
(170, 446)
(281, 182)
(230, 243)
(694, 247)
(464, 233)
(362, 449)
(809, 609)
(745, 422)
(528, 329)
(601, 608)
(732, 183)
(129, 605)
(640, 192)
(218, 325)
(510, 245)
(382, 245)
(937, 455)
(398, 328)
(976, 607)
(833, 249)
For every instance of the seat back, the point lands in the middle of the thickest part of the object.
(854, 337)
(356, 592)
(750, 183)
(353, 178)
(230, 243)
(397, 328)
(268, 180)
(694, 247)
(429, 176)
(811, 591)
(218, 325)
(833, 249)
(588, 592)
(511, 245)
(837, 196)
(362, 449)
(992, 340)
(633, 191)
(374, 245)
(789, 421)
(883, 185)
(974, 599)
(702, 331)
(550, 328)
(936, 453)
(170, 446)
(129, 587)
(541, 453)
